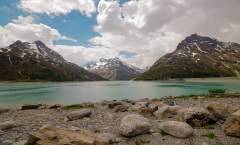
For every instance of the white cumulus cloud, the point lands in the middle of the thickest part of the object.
(25, 29)
(56, 7)
(152, 28)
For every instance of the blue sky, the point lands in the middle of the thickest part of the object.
(137, 31)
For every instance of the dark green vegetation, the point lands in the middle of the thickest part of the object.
(78, 106)
(163, 133)
(209, 135)
(210, 95)
(24, 61)
(197, 57)
(139, 142)
(217, 91)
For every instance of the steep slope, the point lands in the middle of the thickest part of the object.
(113, 69)
(35, 61)
(197, 57)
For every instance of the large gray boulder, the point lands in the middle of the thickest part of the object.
(7, 125)
(196, 116)
(79, 114)
(52, 135)
(232, 124)
(134, 124)
(177, 129)
(220, 110)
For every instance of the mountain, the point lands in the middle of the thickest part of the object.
(197, 57)
(113, 69)
(35, 61)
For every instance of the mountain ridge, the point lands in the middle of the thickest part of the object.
(35, 61)
(113, 69)
(195, 57)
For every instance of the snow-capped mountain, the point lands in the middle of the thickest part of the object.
(35, 61)
(113, 69)
(196, 57)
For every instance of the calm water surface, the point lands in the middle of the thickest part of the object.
(72, 93)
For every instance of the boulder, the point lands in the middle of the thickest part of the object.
(177, 129)
(163, 113)
(174, 109)
(232, 124)
(120, 108)
(7, 125)
(112, 104)
(144, 103)
(196, 116)
(138, 107)
(170, 102)
(134, 124)
(220, 110)
(30, 106)
(79, 114)
(53, 106)
(154, 107)
(52, 135)
(146, 112)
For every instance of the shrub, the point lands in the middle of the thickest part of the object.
(220, 91)
(209, 135)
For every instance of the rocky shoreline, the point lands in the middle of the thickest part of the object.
(166, 121)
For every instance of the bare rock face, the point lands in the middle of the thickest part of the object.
(177, 129)
(134, 124)
(232, 124)
(220, 110)
(196, 116)
(52, 135)
(7, 125)
(79, 114)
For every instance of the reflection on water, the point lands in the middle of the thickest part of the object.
(72, 93)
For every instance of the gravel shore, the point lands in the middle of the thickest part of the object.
(105, 120)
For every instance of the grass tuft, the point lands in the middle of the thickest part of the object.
(209, 135)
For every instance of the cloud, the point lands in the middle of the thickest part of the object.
(25, 29)
(57, 7)
(5, 9)
(81, 55)
(152, 28)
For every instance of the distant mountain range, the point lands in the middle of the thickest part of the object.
(35, 61)
(113, 69)
(197, 57)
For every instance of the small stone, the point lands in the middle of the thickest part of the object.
(146, 112)
(53, 106)
(7, 125)
(4, 110)
(154, 107)
(177, 129)
(134, 124)
(110, 136)
(79, 114)
(170, 102)
(109, 116)
(152, 130)
(112, 104)
(120, 108)
(50, 134)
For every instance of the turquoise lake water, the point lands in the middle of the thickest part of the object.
(73, 93)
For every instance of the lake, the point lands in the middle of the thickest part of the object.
(73, 93)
